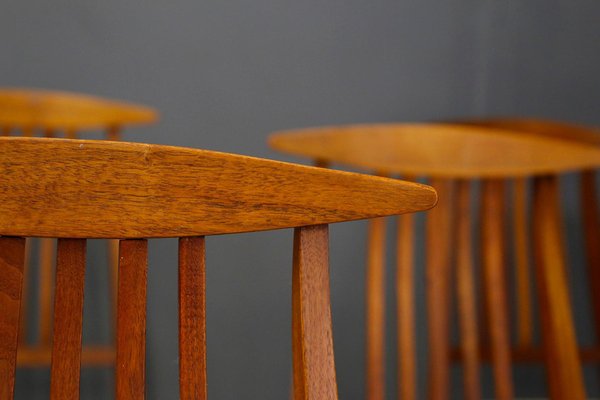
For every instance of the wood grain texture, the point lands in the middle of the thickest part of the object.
(558, 333)
(41, 356)
(438, 150)
(494, 274)
(34, 108)
(312, 340)
(192, 318)
(131, 320)
(68, 318)
(465, 291)
(405, 309)
(375, 310)
(12, 258)
(438, 230)
(522, 275)
(46, 283)
(83, 189)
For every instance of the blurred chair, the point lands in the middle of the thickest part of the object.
(28, 112)
(454, 157)
(78, 189)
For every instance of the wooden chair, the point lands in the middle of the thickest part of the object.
(78, 189)
(453, 157)
(29, 112)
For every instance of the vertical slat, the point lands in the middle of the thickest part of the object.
(12, 258)
(494, 274)
(192, 318)
(45, 290)
(113, 133)
(438, 231)
(131, 319)
(28, 131)
(68, 313)
(312, 340)
(591, 225)
(558, 333)
(405, 305)
(375, 310)
(465, 289)
(113, 272)
(5, 131)
(25, 293)
(521, 248)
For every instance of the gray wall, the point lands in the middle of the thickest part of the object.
(225, 73)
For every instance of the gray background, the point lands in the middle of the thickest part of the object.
(226, 73)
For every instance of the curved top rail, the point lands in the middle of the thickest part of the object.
(101, 189)
(46, 109)
(439, 150)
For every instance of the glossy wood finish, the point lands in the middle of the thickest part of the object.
(12, 258)
(375, 305)
(192, 319)
(314, 364)
(401, 148)
(314, 367)
(563, 364)
(68, 318)
(46, 282)
(131, 319)
(494, 274)
(179, 192)
(46, 109)
(438, 232)
(465, 292)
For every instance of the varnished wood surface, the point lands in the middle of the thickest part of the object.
(192, 319)
(438, 231)
(40, 356)
(68, 318)
(522, 254)
(131, 320)
(12, 254)
(375, 310)
(438, 150)
(312, 339)
(47, 109)
(405, 304)
(563, 364)
(46, 276)
(494, 275)
(465, 292)
(173, 192)
(534, 354)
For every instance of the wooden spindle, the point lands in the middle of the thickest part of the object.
(113, 133)
(522, 277)
(23, 323)
(131, 319)
(46, 283)
(465, 290)
(558, 330)
(312, 339)
(71, 133)
(12, 259)
(192, 319)
(68, 316)
(438, 231)
(405, 305)
(375, 310)
(5, 131)
(494, 275)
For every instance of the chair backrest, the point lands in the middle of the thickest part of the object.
(33, 112)
(79, 189)
(452, 156)
(50, 112)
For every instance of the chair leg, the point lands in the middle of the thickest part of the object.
(558, 333)
(312, 340)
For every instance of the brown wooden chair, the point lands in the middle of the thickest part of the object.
(453, 157)
(78, 189)
(29, 112)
